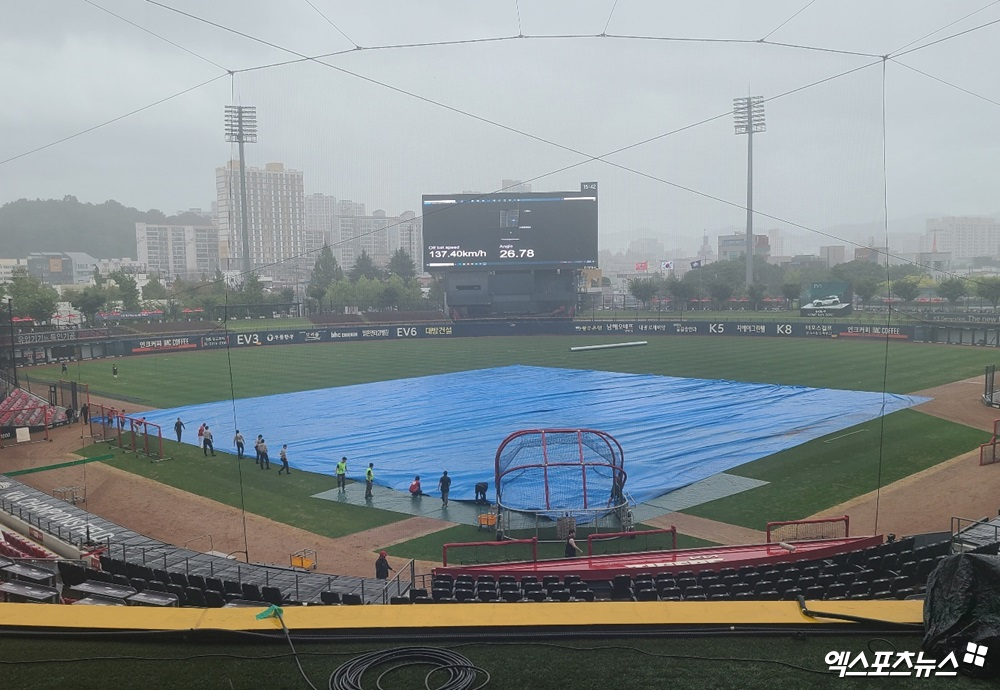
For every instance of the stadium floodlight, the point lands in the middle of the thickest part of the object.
(13, 352)
(748, 118)
(241, 127)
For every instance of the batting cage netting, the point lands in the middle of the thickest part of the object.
(560, 473)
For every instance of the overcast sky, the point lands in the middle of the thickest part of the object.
(553, 103)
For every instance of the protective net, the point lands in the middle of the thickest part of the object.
(560, 472)
(807, 530)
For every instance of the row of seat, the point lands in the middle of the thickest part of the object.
(190, 589)
(25, 546)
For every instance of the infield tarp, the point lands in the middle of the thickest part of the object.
(674, 431)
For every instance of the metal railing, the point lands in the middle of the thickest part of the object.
(397, 581)
(960, 526)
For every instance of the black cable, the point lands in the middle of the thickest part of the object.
(946, 38)
(156, 35)
(946, 82)
(295, 655)
(610, 15)
(787, 20)
(888, 317)
(462, 674)
(856, 619)
(330, 22)
(986, 7)
(111, 121)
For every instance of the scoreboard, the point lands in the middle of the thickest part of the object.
(522, 230)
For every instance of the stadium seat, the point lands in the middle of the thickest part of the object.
(550, 580)
(696, 597)
(160, 575)
(439, 593)
(272, 595)
(571, 579)
(696, 590)
(231, 587)
(511, 595)
(469, 595)
(120, 580)
(195, 597)
(814, 593)
(783, 585)
(352, 599)
(251, 592)
(178, 578)
(487, 594)
(743, 596)
(196, 581)
(414, 593)
(400, 600)
(716, 590)
(156, 586)
(836, 590)
(741, 588)
(214, 583)
(423, 600)
(791, 594)
(528, 580)
(584, 595)
(859, 589)
(564, 595)
(214, 599)
(646, 595)
(137, 583)
(535, 595)
(329, 598)
(769, 595)
(178, 591)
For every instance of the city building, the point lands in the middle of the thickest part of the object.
(62, 268)
(275, 218)
(834, 255)
(189, 252)
(734, 246)
(964, 237)
(7, 267)
(378, 234)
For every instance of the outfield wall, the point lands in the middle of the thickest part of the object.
(40, 352)
(467, 329)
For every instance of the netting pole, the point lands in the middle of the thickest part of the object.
(583, 467)
(545, 473)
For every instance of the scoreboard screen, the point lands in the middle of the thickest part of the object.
(510, 230)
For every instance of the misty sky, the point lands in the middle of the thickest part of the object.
(69, 66)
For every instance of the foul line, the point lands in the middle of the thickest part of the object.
(845, 435)
(59, 466)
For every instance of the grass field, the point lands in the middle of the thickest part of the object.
(171, 380)
(803, 480)
(284, 499)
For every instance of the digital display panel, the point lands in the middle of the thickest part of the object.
(510, 230)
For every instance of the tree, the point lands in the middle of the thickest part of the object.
(32, 298)
(756, 293)
(952, 289)
(680, 292)
(401, 264)
(866, 288)
(364, 267)
(720, 293)
(89, 301)
(154, 289)
(252, 291)
(99, 280)
(791, 291)
(325, 272)
(128, 291)
(643, 289)
(906, 288)
(989, 290)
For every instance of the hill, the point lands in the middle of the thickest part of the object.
(104, 230)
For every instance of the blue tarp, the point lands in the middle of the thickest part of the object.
(674, 431)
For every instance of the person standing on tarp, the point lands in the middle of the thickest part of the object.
(178, 428)
(85, 412)
(239, 443)
(283, 454)
(342, 474)
(369, 479)
(444, 485)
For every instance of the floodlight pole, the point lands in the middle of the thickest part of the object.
(13, 357)
(748, 116)
(241, 127)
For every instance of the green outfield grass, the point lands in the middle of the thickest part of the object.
(171, 380)
(836, 468)
(283, 499)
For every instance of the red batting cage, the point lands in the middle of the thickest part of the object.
(553, 479)
(130, 433)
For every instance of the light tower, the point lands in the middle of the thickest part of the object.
(241, 127)
(748, 116)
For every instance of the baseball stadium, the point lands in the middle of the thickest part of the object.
(509, 479)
